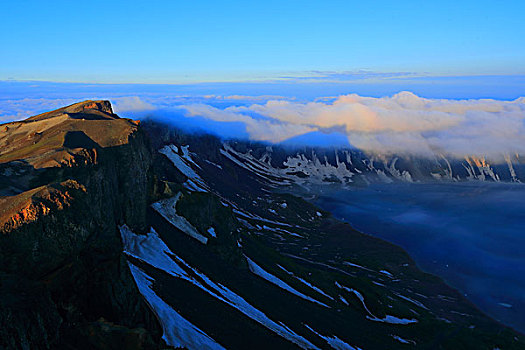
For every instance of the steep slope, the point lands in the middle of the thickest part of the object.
(72, 176)
(310, 165)
(252, 266)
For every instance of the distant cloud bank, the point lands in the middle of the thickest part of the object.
(400, 123)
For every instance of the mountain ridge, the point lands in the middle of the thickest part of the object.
(60, 235)
(154, 238)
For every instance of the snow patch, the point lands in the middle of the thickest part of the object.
(358, 266)
(167, 208)
(152, 250)
(387, 319)
(333, 341)
(261, 169)
(357, 294)
(280, 230)
(212, 233)
(318, 290)
(186, 155)
(415, 302)
(508, 306)
(385, 272)
(177, 331)
(392, 320)
(259, 271)
(401, 340)
(195, 182)
(344, 300)
(258, 218)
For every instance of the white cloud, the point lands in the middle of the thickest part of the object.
(130, 103)
(258, 129)
(403, 123)
(17, 109)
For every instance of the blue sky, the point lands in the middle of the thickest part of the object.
(222, 41)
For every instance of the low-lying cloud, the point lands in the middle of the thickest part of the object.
(130, 103)
(403, 123)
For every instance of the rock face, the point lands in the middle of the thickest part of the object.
(309, 165)
(64, 281)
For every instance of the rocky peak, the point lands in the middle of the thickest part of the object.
(52, 138)
(88, 107)
(101, 105)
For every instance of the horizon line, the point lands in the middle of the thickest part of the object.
(322, 77)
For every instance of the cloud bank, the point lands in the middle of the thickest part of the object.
(402, 123)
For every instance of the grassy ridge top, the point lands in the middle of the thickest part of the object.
(33, 152)
(49, 139)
